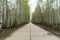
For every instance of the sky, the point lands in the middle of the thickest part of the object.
(32, 4)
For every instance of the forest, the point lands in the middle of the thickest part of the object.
(47, 13)
(13, 14)
(29, 19)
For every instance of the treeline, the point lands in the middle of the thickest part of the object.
(47, 13)
(14, 13)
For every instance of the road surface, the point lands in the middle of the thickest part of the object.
(31, 32)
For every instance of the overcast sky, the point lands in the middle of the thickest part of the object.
(32, 4)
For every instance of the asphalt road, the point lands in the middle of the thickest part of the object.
(32, 32)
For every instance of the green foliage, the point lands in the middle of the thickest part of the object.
(16, 15)
(48, 15)
(27, 13)
(36, 17)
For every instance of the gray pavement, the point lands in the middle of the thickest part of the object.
(32, 32)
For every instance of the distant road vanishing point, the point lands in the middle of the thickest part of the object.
(31, 32)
